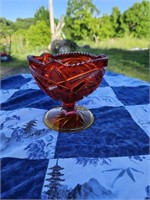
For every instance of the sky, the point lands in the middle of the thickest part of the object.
(12, 9)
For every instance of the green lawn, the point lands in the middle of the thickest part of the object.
(133, 63)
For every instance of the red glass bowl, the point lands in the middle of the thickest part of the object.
(68, 78)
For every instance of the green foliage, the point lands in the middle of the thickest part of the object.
(117, 22)
(6, 24)
(42, 14)
(38, 35)
(79, 20)
(7, 28)
(82, 23)
(24, 23)
(19, 44)
(105, 28)
(137, 19)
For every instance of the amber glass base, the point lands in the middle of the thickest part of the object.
(58, 119)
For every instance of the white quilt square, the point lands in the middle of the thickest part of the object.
(6, 94)
(103, 96)
(121, 80)
(30, 85)
(98, 178)
(24, 135)
(141, 115)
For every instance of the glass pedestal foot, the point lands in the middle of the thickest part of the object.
(58, 119)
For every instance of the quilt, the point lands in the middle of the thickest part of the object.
(109, 160)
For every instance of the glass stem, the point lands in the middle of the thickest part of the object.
(69, 108)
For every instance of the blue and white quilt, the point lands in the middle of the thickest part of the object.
(109, 160)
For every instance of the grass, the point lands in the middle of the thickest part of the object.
(133, 63)
(16, 62)
(127, 42)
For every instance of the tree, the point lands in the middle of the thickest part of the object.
(51, 19)
(7, 29)
(105, 27)
(19, 43)
(118, 25)
(55, 26)
(42, 14)
(80, 21)
(38, 35)
(6, 24)
(137, 19)
(24, 23)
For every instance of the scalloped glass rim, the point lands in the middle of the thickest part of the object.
(54, 58)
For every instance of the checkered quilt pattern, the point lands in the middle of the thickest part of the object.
(109, 160)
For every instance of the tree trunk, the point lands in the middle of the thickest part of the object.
(51, 18)
(56, 31)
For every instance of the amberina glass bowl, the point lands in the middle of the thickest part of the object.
(68, 77)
